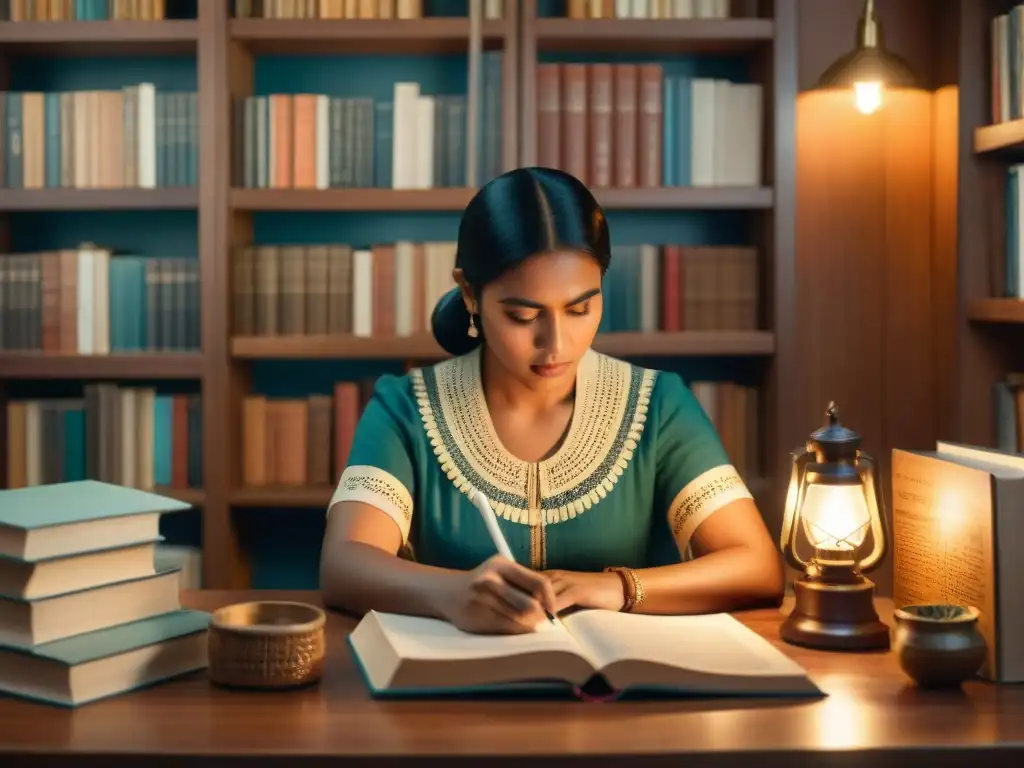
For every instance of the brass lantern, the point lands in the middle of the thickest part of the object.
(834, 507)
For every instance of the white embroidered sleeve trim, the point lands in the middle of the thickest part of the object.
(378, 488)
(700, 498)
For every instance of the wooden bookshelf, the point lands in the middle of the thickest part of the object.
(986, 343)
(377, 36)
(354, 199)
(99, 38)
(60, 199)
(423, 347)
(225, 49)
(996, 311)
(683, 198)
(1005, 137)
(143, 365)
(316, 496)
(455, 199)
(655, 35)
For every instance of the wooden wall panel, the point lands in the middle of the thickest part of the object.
(945, 318)
(864, 269)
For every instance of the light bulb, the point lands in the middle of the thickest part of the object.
(867, 97)
(836, 517)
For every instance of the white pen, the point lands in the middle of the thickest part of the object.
(491, 521)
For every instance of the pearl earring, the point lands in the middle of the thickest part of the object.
(472, 331)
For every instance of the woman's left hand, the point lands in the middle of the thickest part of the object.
(586, 590)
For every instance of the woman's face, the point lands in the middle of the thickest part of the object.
(540, 318)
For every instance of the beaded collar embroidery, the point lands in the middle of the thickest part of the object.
(612, 397)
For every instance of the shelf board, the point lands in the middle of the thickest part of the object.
(1000, 137)
(194, 496)
(142, 365)
(456, 199)
(996, 311)
(369, 199)
(423, 347)
(313, 496)
(373, 36)
(653, 35)
(98, 38)
(420, 346)
(681, 198)
(56, 199)
(687, 343)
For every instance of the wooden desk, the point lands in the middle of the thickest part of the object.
(872, 717)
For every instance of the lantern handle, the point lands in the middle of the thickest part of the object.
(788, 538)
(868, 467)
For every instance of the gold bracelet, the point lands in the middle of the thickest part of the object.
(638, 589)
(629, 582)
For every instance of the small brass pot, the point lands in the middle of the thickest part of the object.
(267, 644)
(938, 645)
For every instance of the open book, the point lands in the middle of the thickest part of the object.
(706, 654)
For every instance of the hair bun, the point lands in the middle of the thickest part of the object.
(449, 323)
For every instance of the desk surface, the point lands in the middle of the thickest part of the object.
(871, 717)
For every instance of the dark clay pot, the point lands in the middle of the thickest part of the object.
(938, 645)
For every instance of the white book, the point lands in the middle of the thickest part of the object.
(146, 142)
(425, 107)
(323, 141)
(743, 132)
(403, 148)
(702, 132)
(84, 301)
(703, 654)
(362, 293)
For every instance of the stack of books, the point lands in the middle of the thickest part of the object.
(85, 612)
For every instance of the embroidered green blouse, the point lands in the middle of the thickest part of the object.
(639, 469)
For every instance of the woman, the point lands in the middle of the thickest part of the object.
(601, 472)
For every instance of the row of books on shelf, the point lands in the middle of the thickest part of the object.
(306, 441)
(89, 600)
(301, 441)
(415, 141)
(647, 9)
(130, 436)
(1009, 280)
(88, 10)
(132, 137)
(94, 301)
(1009, 413)
(1005, 51)
(629, 125)
(391, 290)
(344, 9)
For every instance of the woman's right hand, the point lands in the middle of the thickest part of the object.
(499, 597)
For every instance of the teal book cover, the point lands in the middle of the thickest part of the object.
(43, 506)
(104, 643)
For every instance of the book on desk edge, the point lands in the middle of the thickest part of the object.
(68, 518)
(107, 662)
(589, 653)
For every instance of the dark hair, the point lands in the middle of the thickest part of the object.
(513, 217)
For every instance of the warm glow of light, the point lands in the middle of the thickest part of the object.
(867, 97)
(835, 517)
